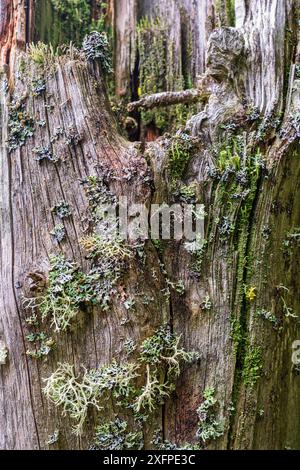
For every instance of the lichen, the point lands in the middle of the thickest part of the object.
(67, 288)
(209, 427)
(20, 123)
(3, 353)
(96, 47)
(115, 435)
(61, 209)
(159, 364)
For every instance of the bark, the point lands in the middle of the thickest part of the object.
(165, 99)
(247, 68)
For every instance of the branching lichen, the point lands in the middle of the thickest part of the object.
(64, 389)
(159, 361)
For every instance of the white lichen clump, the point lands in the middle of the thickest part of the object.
(3, 353)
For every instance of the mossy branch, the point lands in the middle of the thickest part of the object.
(168, 98)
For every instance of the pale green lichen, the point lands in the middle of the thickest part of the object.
(75, 396)
(159, 363)
(209, 427)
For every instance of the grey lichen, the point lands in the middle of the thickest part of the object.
(159, 364)
(3, 353)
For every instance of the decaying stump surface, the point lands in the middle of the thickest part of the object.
(240, 297)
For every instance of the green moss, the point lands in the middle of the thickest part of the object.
(230, 12)
(225, 10)
(236, 334)
(252, 366)
(182, 148)
(157, 74)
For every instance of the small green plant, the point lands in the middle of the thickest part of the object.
(115, 435)
(252, 366)
(250, 293)
(41, 54)
(209, 428)
(75, 19)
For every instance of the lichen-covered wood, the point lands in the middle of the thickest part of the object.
(221, 319)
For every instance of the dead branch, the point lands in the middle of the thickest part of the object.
(168, 98)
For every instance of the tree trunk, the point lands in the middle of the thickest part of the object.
(240, 305)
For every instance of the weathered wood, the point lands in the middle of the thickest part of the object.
(245, 67)
(165, 99)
